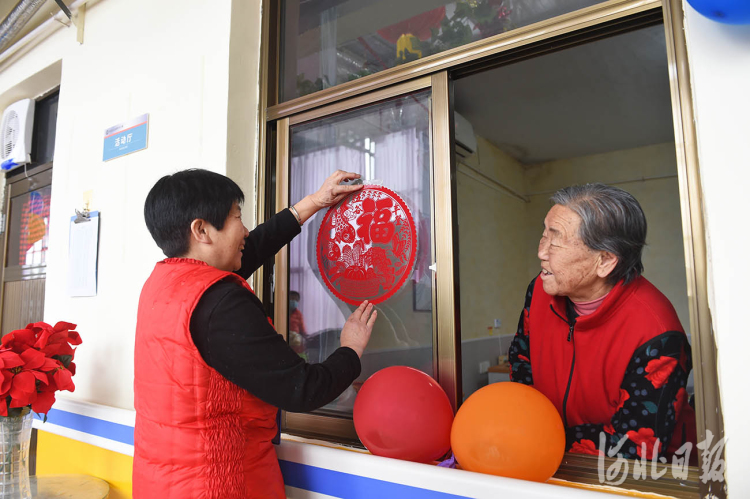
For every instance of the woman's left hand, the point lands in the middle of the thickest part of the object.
(331, 192)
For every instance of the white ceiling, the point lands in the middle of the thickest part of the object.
(604, 96)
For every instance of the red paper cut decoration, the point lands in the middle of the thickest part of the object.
(367, 246)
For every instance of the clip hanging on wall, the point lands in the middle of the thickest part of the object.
(82, 216)
(85, 214)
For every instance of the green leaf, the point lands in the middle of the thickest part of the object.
(650, 407)
(65, 359)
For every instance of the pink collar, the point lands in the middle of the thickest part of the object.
(588, 307)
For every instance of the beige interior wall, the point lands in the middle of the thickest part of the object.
(492, 254)
(658, 194)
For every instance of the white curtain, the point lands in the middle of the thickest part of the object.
(400, 163)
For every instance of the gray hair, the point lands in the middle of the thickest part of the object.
(611, 220)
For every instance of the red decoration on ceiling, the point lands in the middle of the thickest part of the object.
(367, 246)
(418, 26)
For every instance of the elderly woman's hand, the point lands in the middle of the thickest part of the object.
(330, 193)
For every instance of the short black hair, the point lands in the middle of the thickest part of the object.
(176, 200)
(293, 294)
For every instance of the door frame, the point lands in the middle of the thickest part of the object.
(41, 177)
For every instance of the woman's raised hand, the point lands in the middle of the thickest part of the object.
(358, 327)
(330, 193)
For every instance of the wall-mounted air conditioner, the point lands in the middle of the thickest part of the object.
(466, 141)
(18, 124)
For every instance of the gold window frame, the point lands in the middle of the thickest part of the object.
(445, 316)
(509, 46)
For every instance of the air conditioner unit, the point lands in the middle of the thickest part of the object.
(466, 141)
(18, 124)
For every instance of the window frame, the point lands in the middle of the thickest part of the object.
(510, 45)
(445, 313)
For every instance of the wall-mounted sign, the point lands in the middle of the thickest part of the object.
(127, 137)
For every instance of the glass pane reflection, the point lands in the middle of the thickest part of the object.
(324, 44)
(388, 144)
(29, 229)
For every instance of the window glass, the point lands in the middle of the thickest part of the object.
(379, 245)
(525, 131)
(29, 228)
(326, 43)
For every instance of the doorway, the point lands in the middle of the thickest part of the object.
(26, 216)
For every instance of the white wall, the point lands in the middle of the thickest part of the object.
(170, 59)
(720, 69)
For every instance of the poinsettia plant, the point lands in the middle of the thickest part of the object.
(35, 362)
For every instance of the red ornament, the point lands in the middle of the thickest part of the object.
(403, 413)
(367, 246)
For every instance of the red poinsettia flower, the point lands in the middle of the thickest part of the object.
(35, 362)
(56, 340)
(19, 340)
(585, 447)
(23, 388)
(9, 359)
(644, 435)
(609, 428)
(659, 370)
(624, 396)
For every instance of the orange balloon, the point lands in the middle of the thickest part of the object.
(509, 429)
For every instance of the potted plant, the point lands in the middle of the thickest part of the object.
(35, 362)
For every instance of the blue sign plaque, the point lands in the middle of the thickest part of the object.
(127, 137)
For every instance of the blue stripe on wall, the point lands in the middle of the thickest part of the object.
(92, 426)
(338, 484)
(301, 476)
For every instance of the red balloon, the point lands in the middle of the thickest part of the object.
(403, 413)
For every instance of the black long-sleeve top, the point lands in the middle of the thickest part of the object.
(233, 335)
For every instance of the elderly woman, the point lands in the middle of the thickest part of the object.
(597, 338)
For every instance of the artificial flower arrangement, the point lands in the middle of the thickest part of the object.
(36, 362)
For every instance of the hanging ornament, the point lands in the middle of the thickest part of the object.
(407, 34)
(407, 48)
(367, 246)
(724, 11)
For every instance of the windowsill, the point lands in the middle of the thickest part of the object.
(333, 469)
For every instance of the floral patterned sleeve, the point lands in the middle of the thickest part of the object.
(518, 354)
(651, 396)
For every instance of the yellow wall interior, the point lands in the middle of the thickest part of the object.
(60, 455)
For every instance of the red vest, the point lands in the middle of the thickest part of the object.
(604, 343)
(197, 435)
